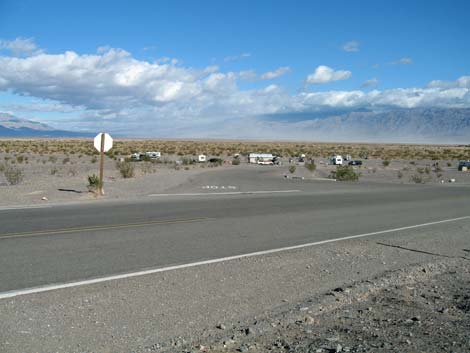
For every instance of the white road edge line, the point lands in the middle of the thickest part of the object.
(227, 193)
(47, 288)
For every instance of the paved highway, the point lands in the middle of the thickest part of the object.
(65, 243)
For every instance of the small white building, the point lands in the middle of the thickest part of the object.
(202, 158)
(260, 158)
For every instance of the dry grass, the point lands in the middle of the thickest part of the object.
(82, 147)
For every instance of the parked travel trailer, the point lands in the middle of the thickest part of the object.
(261, 158)
(336, 160)
(202, 158)
(153, 155)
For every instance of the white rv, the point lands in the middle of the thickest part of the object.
(153, 155)
(336, 160)
(202, 158)
(261, 158)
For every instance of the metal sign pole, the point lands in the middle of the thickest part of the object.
(101, 165)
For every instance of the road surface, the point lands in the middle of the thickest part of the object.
(67, 243)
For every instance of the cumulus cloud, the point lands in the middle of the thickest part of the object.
(403, 61)
(128, 94)
(462, 82)
(276, 73)
(324, 74)
(370, 83)
(20, 46)
(351, 46)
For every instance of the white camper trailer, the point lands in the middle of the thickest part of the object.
(153, 155)
(202, 158)
(336, 160)
(261, 158)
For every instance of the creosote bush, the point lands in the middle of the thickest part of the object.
(311, 166)
(93, 182)
(386, 163)
(292, 169)
(13, 175)
(126, 169)
(345, 173)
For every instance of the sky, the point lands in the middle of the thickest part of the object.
(219, 68)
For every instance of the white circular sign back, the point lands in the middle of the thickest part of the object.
(108, 142)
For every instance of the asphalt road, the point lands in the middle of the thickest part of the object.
(65, 243)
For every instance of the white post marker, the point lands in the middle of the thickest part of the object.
(103, 143)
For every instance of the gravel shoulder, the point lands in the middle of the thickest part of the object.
(362, 296)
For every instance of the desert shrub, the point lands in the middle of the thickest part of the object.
(126, 169)
(94, 159)
(412, 162)
(449, 164)
(93, 182)
(420, 170)
(53, 171)
(386, 163)
(186, 161)
(418, 179)
(52, 159)
(427, 170)
(13, 175)
(292, 169)
(399, 174)
(236, 161)
(311, 166)
(345, 173)
(2, 167)
(66, 160)
(20, 158)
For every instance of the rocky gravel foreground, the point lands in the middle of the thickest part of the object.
(419, 309)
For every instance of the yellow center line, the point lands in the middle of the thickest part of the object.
(102, 227)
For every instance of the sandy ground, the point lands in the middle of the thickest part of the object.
(63, 178)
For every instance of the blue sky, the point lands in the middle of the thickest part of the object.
(226, 60)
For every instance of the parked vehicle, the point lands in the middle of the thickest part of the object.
(464, 165)
(336, 160)
(138, 156)
(357, 162)
(153, 155)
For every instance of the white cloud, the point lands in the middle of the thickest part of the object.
(237, 57)
(324, 74)
(276, 73)
(402, 61)
(127, 93)
(351, 46)
(20, 46)
(462, 82)
(370, 83)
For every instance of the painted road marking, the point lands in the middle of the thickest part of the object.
(227, 193)
(6, 208)
(47, 288)
(103, 227)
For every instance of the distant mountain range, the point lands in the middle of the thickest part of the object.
(420, 125)
(430, 125)
(12, 126)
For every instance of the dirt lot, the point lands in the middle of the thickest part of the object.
(58, 170)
